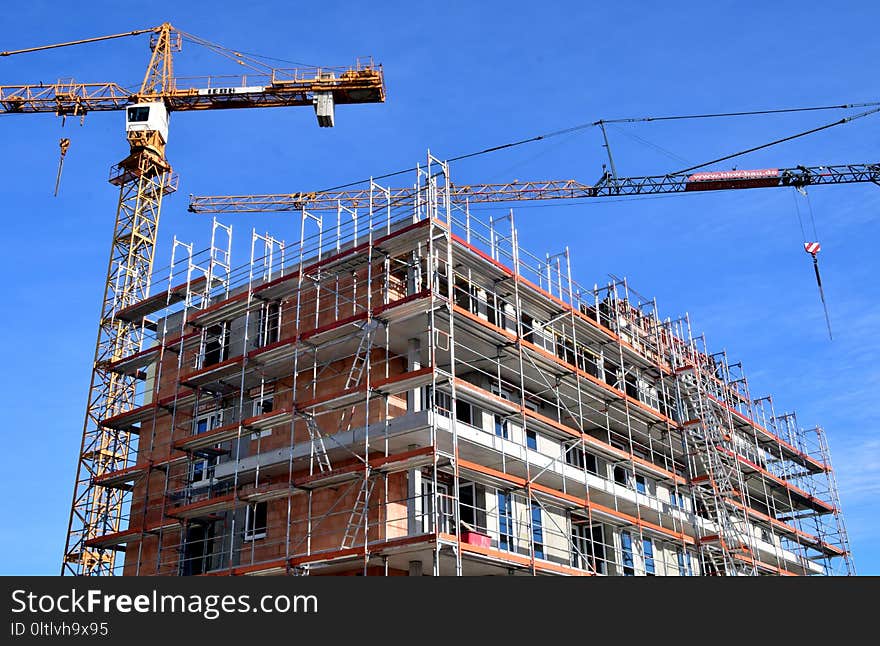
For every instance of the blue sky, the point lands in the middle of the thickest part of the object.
(461, 78)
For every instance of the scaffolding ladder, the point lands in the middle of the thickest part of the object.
(715, 478)
(358, 513)
(318, 452)
(359, 364)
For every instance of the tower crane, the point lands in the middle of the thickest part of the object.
(144, 177)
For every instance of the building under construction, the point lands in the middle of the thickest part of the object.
(405, 390)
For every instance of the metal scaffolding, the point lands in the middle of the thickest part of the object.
(407, 390)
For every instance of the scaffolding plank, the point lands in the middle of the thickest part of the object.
(123, 478)
(268, 420)
(209, 438)
(402, 238)
(404, 381)
(277, 288)
(273, 353)
(225, 310)
(113, 540)
(132, 364)
(157, 302)
(178, 401)
(404, 461)
(214, 374)
(337, 329)
(272, 492)
(129, 420)
(405, 308)
(184, 342)
(203, 507)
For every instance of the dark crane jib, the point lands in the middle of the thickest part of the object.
(607, 186)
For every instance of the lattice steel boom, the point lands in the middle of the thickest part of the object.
(607, 186)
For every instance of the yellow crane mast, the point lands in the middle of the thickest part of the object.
(144, 177)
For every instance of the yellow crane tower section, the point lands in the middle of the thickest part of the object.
(144, 177)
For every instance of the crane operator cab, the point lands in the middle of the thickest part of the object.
(147, 117)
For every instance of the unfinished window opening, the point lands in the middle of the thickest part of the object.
(500, 426)
(262, 407)
(201, 470)
(537, 530)
(444, 507)
(588, 547)
(576, 456)
(532, 439)
(528, 327)
(466, 295)
(498, 391)
(627, 559)
(467, 505)
(631, 385)
(437, 400)
(441, 284)
(255, 521)
(685, 566)
(591, 462)
(588, 361)
(587, 310)
(216, 344)
(197, 550)
(612, 373)
(505, 522)
(565, 349)
(269, 323)
(496, 311)
(676, 498)
(398, 276)
(472, 512)
(648, 555)
(607, 314)
(464, 412)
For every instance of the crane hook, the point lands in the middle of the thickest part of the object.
(64, 144)
(813, 249)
